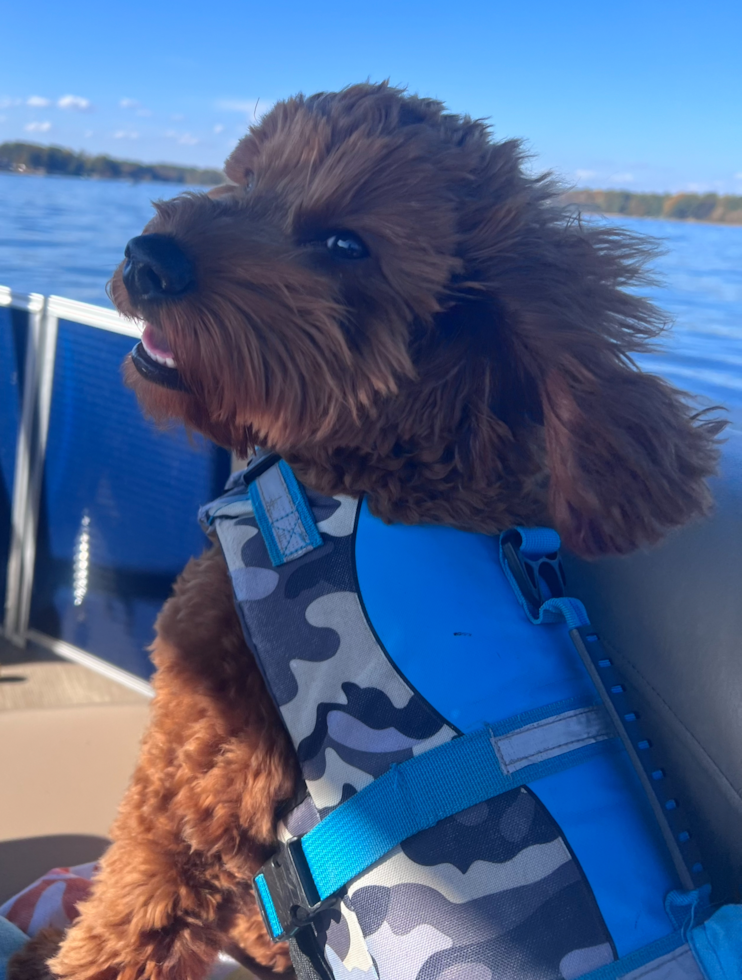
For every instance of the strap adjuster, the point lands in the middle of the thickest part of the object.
(537, 579)
(286, 893)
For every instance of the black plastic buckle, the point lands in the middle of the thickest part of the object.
(292, 891)
(537, 579)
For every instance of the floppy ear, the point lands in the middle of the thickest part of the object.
(627, 457)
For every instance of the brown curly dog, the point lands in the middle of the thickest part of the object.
(386, 298)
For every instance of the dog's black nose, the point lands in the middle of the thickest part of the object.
(157, 269)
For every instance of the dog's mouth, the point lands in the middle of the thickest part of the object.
(154, 360)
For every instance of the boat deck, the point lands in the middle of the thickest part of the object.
(36, 678)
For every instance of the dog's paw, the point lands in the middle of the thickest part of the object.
(31, 962)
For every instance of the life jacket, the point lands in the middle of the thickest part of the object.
(481, 803)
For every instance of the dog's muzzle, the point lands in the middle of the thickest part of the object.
(157, 269)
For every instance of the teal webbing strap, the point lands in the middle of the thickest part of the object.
(270, 909)
(642, 958)
(414, 796)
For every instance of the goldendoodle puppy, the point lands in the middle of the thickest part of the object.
(384, 297)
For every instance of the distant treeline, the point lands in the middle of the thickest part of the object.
(726, 210)
(28, 158)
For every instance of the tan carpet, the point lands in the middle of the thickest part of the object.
(56, 684)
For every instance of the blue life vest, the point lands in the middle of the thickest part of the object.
(474, 808)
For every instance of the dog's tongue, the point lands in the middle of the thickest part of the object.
(156, 345)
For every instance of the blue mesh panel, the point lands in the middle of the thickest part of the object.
(13, 336)
(119, 504)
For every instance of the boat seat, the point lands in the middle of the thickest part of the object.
(672, 620)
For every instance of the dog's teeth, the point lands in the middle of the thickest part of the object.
(152, 341)
(160, 358)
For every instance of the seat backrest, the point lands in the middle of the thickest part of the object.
(672, 619)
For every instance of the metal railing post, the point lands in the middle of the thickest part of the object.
(45, 383)
(25, 465)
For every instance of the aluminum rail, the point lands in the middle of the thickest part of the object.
(41, 344)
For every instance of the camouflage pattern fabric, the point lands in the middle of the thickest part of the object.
(492, 893)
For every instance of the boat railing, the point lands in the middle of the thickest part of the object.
(97, 506)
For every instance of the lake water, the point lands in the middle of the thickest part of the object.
(65, 236)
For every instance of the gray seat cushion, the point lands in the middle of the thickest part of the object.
(672, 619)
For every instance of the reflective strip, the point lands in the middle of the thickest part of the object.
(283, 515)
(552, 736)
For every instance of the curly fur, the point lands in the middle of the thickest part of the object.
(474, 370)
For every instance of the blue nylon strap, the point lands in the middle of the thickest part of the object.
(639, 958)
(415, 796)
(270, 909)
(536, 542)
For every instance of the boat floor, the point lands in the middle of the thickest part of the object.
(70, 741)
(36, 678)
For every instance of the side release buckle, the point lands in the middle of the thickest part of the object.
(286, 893)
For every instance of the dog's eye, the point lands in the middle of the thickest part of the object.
(343, 245)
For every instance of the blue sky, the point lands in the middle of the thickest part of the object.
(643, 95)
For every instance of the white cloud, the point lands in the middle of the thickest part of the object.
(186, 139)
(3, 118)
(88, 133)
(38, 127)
(74, 102)
(623, 178)
(135, 105)
(125, 134)
(218, 128)
(738, 176)
(38, 101)
(585, 174)
(6, 103)
(177, 117)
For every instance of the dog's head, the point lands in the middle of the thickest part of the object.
(385, 295)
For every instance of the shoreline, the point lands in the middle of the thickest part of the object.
(650, 217)
(576, 199)
(34, 159)
(708, 208)
(96, 178)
